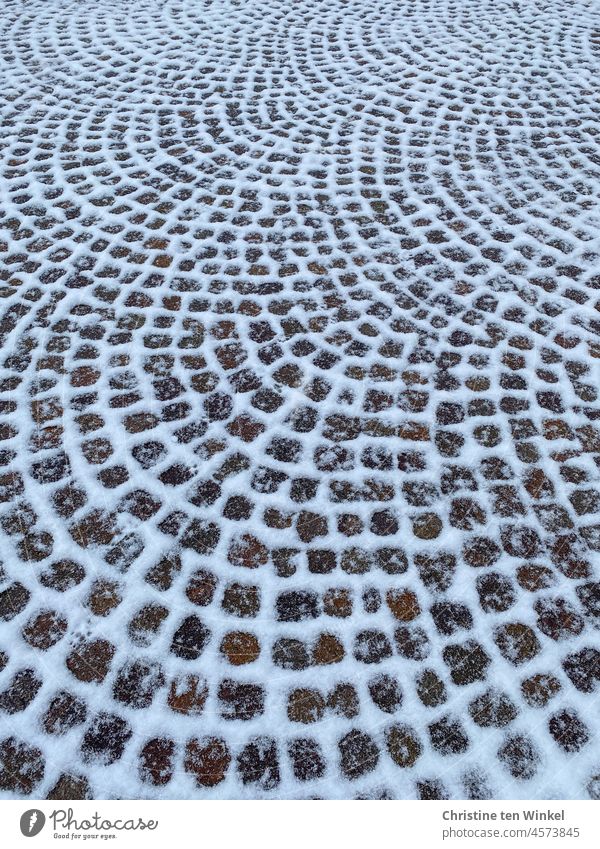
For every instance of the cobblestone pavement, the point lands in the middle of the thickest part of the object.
(299, 395)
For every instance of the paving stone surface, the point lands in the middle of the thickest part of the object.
(300, 432)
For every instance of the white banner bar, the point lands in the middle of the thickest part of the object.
(298, 824)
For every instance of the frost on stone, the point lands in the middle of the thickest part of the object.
(299, 418)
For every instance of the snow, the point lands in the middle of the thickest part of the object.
(216, 204)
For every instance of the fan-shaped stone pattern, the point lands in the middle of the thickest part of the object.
(300, 367)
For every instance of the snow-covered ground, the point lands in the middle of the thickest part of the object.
(299, 393)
